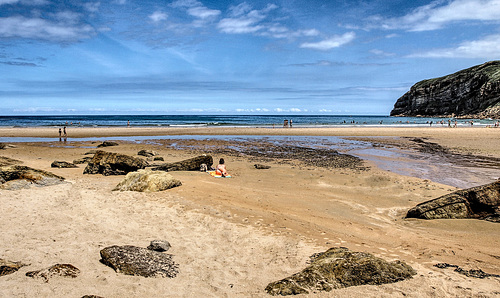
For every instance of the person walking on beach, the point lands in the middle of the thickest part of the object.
(59, 132)
(64, 132)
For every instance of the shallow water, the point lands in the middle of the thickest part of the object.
(404, 162)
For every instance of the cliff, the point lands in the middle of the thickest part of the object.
(471, 93)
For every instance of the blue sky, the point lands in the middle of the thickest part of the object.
(233, 57)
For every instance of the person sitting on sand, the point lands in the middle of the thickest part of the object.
(221, 168)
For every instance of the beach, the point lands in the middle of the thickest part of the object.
(231, 237)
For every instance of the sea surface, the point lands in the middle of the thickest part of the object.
(225, 120)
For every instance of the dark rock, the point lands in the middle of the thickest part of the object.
(82, 160)
(481, 202)
(476, 273)
(158, 158)
(472, 93)
(2, 146)
(192, 164)
(261, 167)
(90, 152)
(132, 260)
(147, 153)
(108, 163)
(159, 245)
(62, 270)
(92, 296)
(147, 181)
(18, 177)
(6, 161)
(8, 267)
(62, 164)
(339, 268)
(107, 144)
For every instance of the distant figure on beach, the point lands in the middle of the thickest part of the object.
(59, 132)
(221, 168)
(128, 123)
(285, 123)
(290, 123)
(430, 123)
(64, 132)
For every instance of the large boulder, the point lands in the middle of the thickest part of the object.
(192, 164)
(18, 177)
(108, 163)
(147, 181)
(339, 268)
(132, 260)
(481, 202)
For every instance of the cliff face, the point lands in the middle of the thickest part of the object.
(473, 92)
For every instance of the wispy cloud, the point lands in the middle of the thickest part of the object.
(438, 14)
(63, 29)
(244, 19)
(487, 47)
(330, 43)
(158, 16)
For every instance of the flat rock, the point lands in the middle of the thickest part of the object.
(18, 177)
(192, 164)
(132, 260)
(159, 245)
(147, 181)
(107, 144)
(261, 167)
(147, 153)
(481, 202)
(82, 160)
(340, 268)
(8, 267)
(58, 270)
(62, 164)
(107, 163)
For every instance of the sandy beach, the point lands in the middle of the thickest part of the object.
(231, 237)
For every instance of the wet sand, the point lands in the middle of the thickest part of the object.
(233, 236)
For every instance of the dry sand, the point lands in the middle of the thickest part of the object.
(232, 237)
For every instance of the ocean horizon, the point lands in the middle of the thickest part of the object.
(226, 120)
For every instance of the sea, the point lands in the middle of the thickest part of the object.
(228, 120)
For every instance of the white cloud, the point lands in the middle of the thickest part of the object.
(92, 6)
(25, 2)
(331, 43)
(2, 2)
(488, 48)
(436, 15)
(43, 29)
(158, 16)
(245, 20)
(203, 12)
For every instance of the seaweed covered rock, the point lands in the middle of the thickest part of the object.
(18, 177)
(132, 260)
(192, 164)
(108, 163)
(60, 270)
(147, 181)
(481, 202)
(339, 267)
(9, 267)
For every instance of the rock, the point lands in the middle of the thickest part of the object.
(147, 181)
(339, 268)
(91, 296)
(2, 146)
(61, 270)
(132, 260)
(62, 164)
(261, 167)
(481, 202)
(108, 163)
(82, 160)
(158, 158)
(107, 144)
(476, 273)
(472, 93)
(8, 267)
(159, 245)
(147, 153)
(90, 152)
(192, 164)
(18, 177)
(6, 161)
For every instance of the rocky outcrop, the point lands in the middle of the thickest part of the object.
(62, 164)
(481, 202)
(58, 270)
(147, 181)
(339, 268)
(471, 93)
(147, 153)
(132, 260)
(8, 267)
(108, 163)
(19, 177)
(192, 164)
